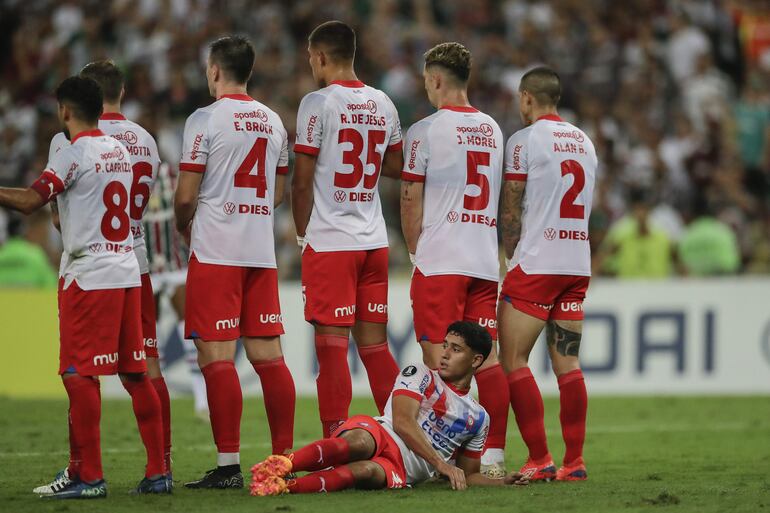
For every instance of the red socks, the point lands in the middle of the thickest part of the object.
(382, 370)
(527, 404)
(573, 399)
(333, 382)
(325, 481)
(225, 404)
(85, 414)
(495, 398)
(320, 454)
(165, 410)
(150, 422)
(280, 396)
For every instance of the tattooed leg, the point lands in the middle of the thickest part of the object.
(566, 342)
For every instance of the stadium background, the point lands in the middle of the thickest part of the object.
(675, 95)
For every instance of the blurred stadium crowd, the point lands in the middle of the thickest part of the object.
(675, 95)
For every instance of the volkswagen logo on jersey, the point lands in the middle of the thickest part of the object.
(452, 217)
(229, 208)
(340, 196)
(549, 234)
(96, 247)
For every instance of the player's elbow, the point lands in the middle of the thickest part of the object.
(31, 202)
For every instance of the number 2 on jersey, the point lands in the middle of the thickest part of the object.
(352, 157)
(243, 176)
(568, 209)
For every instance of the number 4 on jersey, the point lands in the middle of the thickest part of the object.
(255, 157)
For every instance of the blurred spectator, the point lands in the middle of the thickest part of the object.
(635, 247)
(708, 246)
(23, 261)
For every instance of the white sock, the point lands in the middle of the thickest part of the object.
(228, 458)
(492, 456)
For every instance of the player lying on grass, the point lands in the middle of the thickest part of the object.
(430, 419)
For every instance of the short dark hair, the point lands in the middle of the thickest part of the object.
(337, 38)
(83, 96)
(235, 56)
(109, 77)
(544, 84)
(474, 335)
(453, 57)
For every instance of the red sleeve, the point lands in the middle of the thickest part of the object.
(408, 393)
(48, 185)
(192, 168)
(412, 177)
(396, 147)
(282, 170)
(518, 177)
(307, 150)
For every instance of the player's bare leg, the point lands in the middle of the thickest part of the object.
(518, 333)
(225, 399)
(278, 389)
(493, 396)
(149, 419)
(334, 386)
(431, 352)
(564, 346)
(348, 455)
(381, 368)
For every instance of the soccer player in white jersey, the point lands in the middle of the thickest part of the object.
(232, 172)
(430, 419)
(347, 133)
(99, 288)
(144, 164)
(549, 179)
(450, 188)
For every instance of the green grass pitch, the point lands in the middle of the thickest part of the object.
(679, 454)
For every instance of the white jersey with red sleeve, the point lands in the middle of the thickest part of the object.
(458, 153)
(558, 161)
(240, 145)
(91, 179)
(349, 126)
(452, 420)
(145, 161)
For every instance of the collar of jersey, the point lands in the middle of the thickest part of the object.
(348, 83)
(550, 117)
(241, 97)
(113, 116)
(458, 108)
(458, 391)
(87, 133)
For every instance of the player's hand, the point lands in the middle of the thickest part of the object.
(456, 476)
(516, 479)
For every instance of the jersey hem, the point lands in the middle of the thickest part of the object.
(487, 277)
(347, 248)
(232, 263)
(549, 272)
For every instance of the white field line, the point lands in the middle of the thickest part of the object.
(598, 430)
